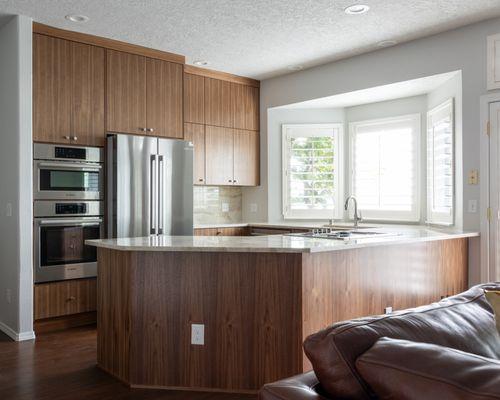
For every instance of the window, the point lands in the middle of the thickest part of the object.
(384, 166)
(312, 177)
(440, 185)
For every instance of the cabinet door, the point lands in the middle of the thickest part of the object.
(87, 92)
(194, 99)
(245, 101)
(246, 158)
(219, 155)
(51, 89)
(164, 98)
(493, 62)
(196, 133)
(218, 108)
(125, 92)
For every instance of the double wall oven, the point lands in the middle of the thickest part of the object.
(68, 209)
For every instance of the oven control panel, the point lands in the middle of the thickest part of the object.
(72, 153)
(71, 208)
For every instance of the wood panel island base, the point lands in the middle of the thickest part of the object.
(257, 297)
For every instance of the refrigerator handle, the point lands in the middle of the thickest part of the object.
(153, 194)
(161, 176)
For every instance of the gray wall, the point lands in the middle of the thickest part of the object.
(16, 308)
(461, 49)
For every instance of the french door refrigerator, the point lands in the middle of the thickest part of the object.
(149, 186)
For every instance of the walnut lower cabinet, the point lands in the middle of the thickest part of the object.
(56, 299)
(257, 307)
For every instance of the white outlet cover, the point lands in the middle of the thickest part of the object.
(8, 210)
(198, 334)
(253, 207)
(225, 207)
(472, 206)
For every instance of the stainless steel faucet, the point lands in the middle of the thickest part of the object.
(357, 217)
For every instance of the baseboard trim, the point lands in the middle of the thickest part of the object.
(18, 337)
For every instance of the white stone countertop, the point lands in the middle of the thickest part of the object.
(278, 243)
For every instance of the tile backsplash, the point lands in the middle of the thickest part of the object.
(217, 205)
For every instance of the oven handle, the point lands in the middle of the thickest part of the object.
(83, 222)
(68, 165)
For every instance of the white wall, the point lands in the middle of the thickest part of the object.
(16, 258)
(461, 49)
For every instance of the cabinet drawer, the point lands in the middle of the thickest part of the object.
(55, 299)
(234, 231)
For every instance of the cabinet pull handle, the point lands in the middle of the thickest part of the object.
(234, 181)
(142, 129)
(150, 129)
(66, 137)
(75, 138)
(71, 298)
(200, 179)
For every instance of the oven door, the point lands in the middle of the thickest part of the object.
(60, 250)
(67, 180)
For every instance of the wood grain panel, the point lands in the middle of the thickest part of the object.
(348, 284)
(194, 99)
(107, 43)
(125, 92)
(55, 299)
(210, 73)
(87, 93)
(114, 292)
(246, 158)
(195, 133)
(219, 155)
(218, 108)
(64, 322)
(164, 98)
(232, 231)
(245, 102)
(51, 89)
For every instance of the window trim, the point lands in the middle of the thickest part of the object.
(337, 212)
(392, 216)
(437, 218)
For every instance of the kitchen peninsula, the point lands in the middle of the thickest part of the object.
(257, 297)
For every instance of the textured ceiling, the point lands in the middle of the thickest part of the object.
(258, 38)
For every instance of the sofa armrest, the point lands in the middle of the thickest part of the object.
(299, 387)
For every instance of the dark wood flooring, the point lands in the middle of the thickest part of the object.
(62, 365)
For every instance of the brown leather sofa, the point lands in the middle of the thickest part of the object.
(459, 331)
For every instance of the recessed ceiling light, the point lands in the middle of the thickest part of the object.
(356, 9)
(295, 67)
(387, 43)
(201, 63)
(77, 18)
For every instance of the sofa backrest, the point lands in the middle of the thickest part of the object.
(465, 322)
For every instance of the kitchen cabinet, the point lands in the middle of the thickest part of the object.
(219, 150)
(245, 102)
(246, 158)
(144, 95)
(194, 99)
(493, 62)
(68, 92)
(229, 231)
(218, 108)
(195, 133)
(56, 299)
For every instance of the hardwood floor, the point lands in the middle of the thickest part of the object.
(62, 365)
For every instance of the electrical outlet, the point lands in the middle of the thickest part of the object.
(253, 207)
(472, 206)
(198, 334)
(225, 207)
(388, 310)
(8, 295)
(473, 178)
(8, 209)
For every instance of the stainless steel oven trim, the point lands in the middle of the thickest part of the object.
(69, 194)
(44, 151)
(47, 208)
(63, 271)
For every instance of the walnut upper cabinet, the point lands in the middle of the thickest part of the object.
(246, 158)
(218, 106)
(144, 95)
(195, 133)
(245, 102)
(194, 99)
(68, 92)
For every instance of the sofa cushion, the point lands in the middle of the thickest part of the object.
(493, 297)
(464, 322)
(404, 370)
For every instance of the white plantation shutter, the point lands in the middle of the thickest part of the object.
(440, 184)
(384, 167)
(311, 176)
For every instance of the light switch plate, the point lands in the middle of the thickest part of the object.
(388, 310)
(473, 178)
(198, 334)
(225, 207)
(253, 207)
(472, 206)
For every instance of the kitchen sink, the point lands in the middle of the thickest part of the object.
(332, 233)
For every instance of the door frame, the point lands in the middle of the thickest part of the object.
(487, 176)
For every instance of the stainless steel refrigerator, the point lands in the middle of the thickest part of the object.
(149, 186)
